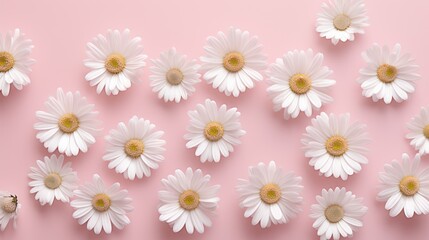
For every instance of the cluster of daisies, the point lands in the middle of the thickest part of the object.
(298, 81)
(233, 63)
(335, 146)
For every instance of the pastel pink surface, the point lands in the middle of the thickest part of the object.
(60, 30)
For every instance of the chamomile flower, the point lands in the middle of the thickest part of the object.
(15, 61)
(233, 61)
(299, 83)
(101, 206)
(173, 76)
(340, 20)
(9, 208)
(213, 131)
(52, 180)
(338, 213)
(405, 187)
(270, 195)
(336, 146)
(388, 74)
(188, 201)
(419, 135)
(69, 124)
(115, 60)
(135, 148)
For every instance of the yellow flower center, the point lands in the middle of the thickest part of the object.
(334, 213)
(134, 148)
(213, 131)
(233, 61)
(53, 180)
(387, 73)
(10, 205)
(336, 145)
(300, 83)
(68, 123)
(7, 61)
(270, 193)
(342, 22)
(426, 131)
(189, 200)
(101, 202)
(115, 63)
(409, 185)
(174, 76)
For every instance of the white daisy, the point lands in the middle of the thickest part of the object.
(213, 131)
(15, 61)
(52, 180)
(405, 187)
(337, 214)
(9, 208)
(233, 61)
(341, 19)
(419, 135)
(270, 195)
(115, 61)
(388, 74)
(173, 77)
(336, 146)
(135, 148)
(299, 83)
(69, 124)
(101, 206)
(188, 201)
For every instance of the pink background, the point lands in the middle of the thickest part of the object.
(60, 30)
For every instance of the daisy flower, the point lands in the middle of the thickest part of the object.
(270, 195)
(337, 214)
(15, 61)
(405, 187)
(187, 201)
(341, 19)
(336, 146)
(52, 180)
(388, 74)
(299, 82)
(9, 208)
(134, 148)
(101, 206)
(233, 61)
(115, 61)
(173, 76)
(68, 125)
(213, 131)
(419, 135)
